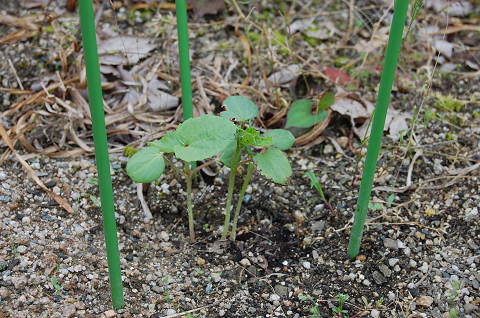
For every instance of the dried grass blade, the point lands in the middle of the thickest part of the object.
(32, 174)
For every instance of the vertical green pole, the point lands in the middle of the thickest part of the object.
(185, 77)
(101, 149)
(388, 74)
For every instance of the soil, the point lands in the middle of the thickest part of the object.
(420, 250)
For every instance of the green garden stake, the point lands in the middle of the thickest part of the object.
(184, 55)
(101, 149)
(388, 74)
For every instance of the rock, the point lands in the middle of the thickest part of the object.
(4, 292)
(215, 277)
(375, 313)
(306, 265)
(379, 278)
(110, 314)
(19, 282)
(68, 310)
(391, 244)
(469, 308)
(424, 301)
(317, 227)
(343, 141)
(281, 290)
(328, 150)
(245, 262)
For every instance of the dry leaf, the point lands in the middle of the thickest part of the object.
(124, 49)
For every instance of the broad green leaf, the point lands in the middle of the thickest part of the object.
(239, 108)
(202, 137)
(166, 143)
(326, 101)
(146, 166)
(300, 115)
(273, 165)
(282, 138)
(251, 137)
(227, 154)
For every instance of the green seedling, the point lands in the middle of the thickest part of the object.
(205, 136)
(55, 284)
(339, 309)
(314, 183)
(271, 162)
(92, 181)
(95, 201)
(451, 299)
(195, 139)
(314, 310)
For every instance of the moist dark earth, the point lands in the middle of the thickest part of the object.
(420, 250)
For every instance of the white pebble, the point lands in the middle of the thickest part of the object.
(306, 265)
(245, 262)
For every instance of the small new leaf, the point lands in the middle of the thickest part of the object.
(251, 137)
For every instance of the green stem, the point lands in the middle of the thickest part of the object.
(173, 166)
(250, 170)
(388, 74)
(101, 149)
(189, 202)
(231, 184)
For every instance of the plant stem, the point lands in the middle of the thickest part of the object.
(174, 168)
(231, 184)
(250, 170)
(189, 202)
(388, 74)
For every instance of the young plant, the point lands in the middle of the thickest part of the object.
(194, 140)
(271, 162)
(314, 183)
(339, 309)
(314, 310)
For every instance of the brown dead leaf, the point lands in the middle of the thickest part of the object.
(359, 110)
(17, 22)
(125, 49)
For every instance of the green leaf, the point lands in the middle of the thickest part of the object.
(251, 137)
(282, 138)
(326, 101)
(146, 166)
(239, 108)
(299, 114)
(227, 154)
(273, 165)
(167, 143)
(202, 137)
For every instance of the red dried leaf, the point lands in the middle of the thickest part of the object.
(337, 76)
